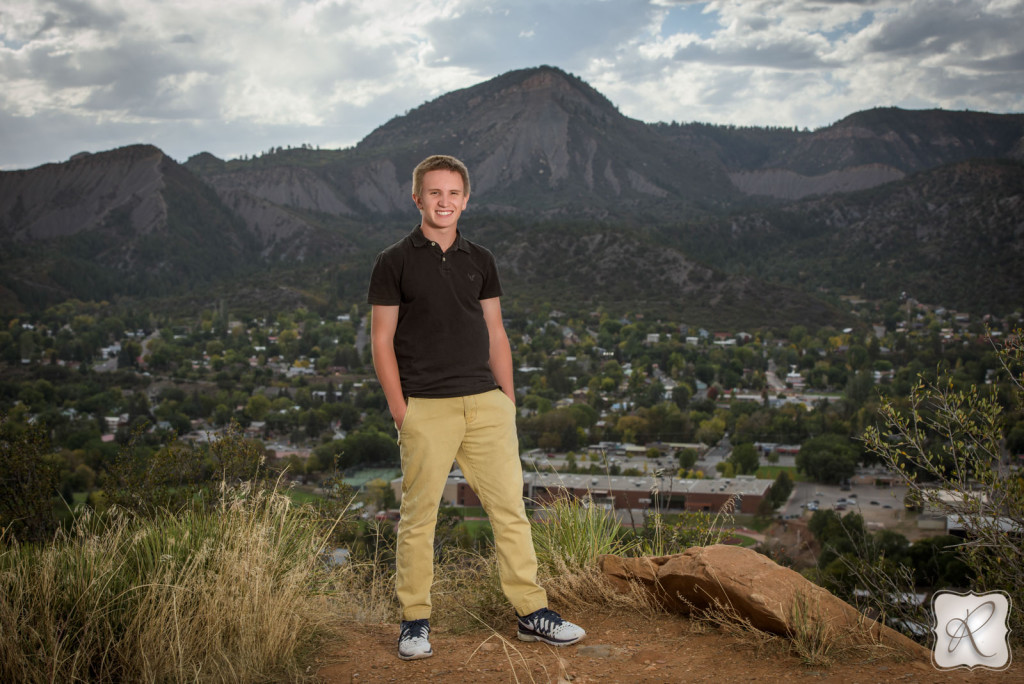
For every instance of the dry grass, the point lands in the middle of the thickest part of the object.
(364, 589)
(725, 619)
(467, 592)
(233, 594)
(520, 666)
(811, 637)
(587, 587)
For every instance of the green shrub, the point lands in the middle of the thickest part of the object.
(947, 447)
(570, 532)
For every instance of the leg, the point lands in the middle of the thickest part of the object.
(489, 459)
(429, 439)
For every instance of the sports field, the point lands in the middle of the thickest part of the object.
(361, 477)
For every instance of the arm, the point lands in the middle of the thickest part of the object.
(501, 351)
(383, 322)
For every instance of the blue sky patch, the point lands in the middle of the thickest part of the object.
(690, 18)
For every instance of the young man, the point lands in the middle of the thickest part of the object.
(445, 365)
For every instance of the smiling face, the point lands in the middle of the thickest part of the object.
(441, 201)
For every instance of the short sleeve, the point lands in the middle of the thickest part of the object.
(385, 287)
(492, 284)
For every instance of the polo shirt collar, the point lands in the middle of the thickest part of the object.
(420, 240)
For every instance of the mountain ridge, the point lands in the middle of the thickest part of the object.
(546, 150)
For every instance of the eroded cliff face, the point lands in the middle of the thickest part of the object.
(59, 200)
(129, 222)
(286, 186)
(540, 140)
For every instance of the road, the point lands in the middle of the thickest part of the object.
(715, 455)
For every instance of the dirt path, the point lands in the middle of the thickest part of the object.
(618, 648)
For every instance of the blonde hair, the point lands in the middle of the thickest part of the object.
(435, 162)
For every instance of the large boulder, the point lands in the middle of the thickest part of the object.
(752, 587)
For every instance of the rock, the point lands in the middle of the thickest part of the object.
(772, 598)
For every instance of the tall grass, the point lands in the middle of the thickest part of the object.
(229, 593)
(573, 532)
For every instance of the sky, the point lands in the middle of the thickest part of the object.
(238, 77)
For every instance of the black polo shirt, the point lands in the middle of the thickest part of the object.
(441, 341)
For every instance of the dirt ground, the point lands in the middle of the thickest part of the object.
(618, 648)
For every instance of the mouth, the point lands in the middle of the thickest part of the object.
(445, 212)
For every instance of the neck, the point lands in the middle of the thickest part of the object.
(444, 238)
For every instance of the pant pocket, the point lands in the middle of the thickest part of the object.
(405, 421)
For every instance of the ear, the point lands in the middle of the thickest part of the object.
(416, 200)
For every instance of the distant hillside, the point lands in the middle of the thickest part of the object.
(575, 198)
(132, 222)
(129, 222)
(952, 235)
(589, 266)
(863, 150)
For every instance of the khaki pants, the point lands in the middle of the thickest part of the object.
(479, 432)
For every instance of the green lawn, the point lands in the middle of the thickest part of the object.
(771, 472)
(745, 540)
(752, 521)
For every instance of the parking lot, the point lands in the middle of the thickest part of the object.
(879, 506)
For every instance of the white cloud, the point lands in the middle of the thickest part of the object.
(228, 76)
(789, 62)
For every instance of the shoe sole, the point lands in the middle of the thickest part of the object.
(534, 637)
(417, 656)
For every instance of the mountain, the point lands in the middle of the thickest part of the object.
(863, 150)
(126, 222)
(133, 222)
(542, 143)
(717, 223)
(538, 142)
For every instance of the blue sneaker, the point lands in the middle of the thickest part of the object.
(548, 626)
(412, 640)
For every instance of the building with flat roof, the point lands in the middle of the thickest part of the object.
(621, 491)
